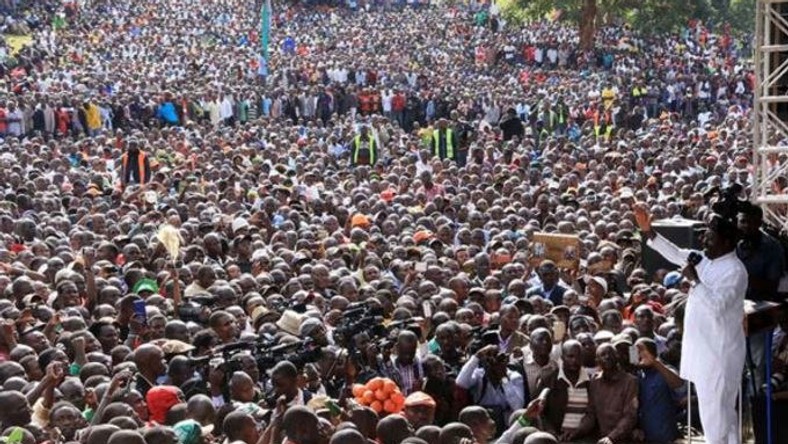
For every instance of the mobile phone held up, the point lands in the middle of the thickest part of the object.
(139, 312)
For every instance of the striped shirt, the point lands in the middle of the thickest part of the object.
(577, 402)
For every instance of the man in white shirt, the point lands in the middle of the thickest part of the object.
(713, 346)
(16, 120)
(386, 97)
(493, 386)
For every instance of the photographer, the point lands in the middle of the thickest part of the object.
(225, 326)
(492, 385)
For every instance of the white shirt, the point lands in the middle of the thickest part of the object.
(386, 102)
(226, 108)
(471, 377)
(713, 346)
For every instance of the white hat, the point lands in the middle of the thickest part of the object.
(290, 322)
(602, 282)
(240, 224)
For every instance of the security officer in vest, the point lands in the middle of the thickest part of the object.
(364, 148)
(444, 141)
(135, 165)
(639, 93)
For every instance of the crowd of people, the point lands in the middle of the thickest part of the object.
(203, 245)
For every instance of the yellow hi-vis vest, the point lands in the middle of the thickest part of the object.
(436, 140)
(372, 150)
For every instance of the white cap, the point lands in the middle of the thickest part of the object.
(599, 280)
(239, 224)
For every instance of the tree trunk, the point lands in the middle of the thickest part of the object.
(588, 24)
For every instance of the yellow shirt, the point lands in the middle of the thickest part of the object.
(607, 96)
(93, 116)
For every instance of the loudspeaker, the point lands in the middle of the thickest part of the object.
(684, 233)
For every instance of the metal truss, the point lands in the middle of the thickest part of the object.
(770, 111)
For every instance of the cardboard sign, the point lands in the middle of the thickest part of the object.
(563, 249)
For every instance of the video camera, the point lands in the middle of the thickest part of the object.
(265, 352)
(727, 203)
(359, 317)
(482, 337)
(196, 309)
(366, 317)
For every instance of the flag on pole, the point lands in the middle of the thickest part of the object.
(265, 27)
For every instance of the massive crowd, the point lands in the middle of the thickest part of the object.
(354, 218)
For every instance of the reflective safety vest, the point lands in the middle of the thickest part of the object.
(373, 150)
(561, 115)
(436, 140)
(604, 119)
(140, 166)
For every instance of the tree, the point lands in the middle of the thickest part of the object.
(646, 16)
(587, 24)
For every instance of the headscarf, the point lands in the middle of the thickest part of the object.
(189, 431)
(160, 400)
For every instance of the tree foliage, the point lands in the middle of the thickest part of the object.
(647, 16)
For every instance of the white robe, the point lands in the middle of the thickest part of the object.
(713, 344)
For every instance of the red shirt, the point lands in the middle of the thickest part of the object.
(398, 102)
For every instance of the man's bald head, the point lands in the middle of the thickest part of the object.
(366, 420)
(429, 433)
(100, 434)
(348, 436)
(300, 425)
(159, 435)
(393, 429)
(126, 437)
(453, 432)
(541, 438)
(201, 409)
(149, 360)
(235, 424)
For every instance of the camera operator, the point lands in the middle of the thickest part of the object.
(492, 385)
(225, 326)
(284, 379)
(764, 259)
(313, 328)
(366, 358)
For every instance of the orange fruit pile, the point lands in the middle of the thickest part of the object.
(380, 394)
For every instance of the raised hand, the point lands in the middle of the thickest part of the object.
(643, 217)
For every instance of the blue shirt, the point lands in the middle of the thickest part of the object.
(657, 413)
(555, 294)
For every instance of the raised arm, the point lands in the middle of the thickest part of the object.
(667, 249)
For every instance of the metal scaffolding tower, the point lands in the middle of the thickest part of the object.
(770, 116)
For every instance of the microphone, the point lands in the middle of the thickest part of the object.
(694, 258)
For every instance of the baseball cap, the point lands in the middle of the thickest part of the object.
(599, 280)
(417, 399)
(145, 285)
(671, 279)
